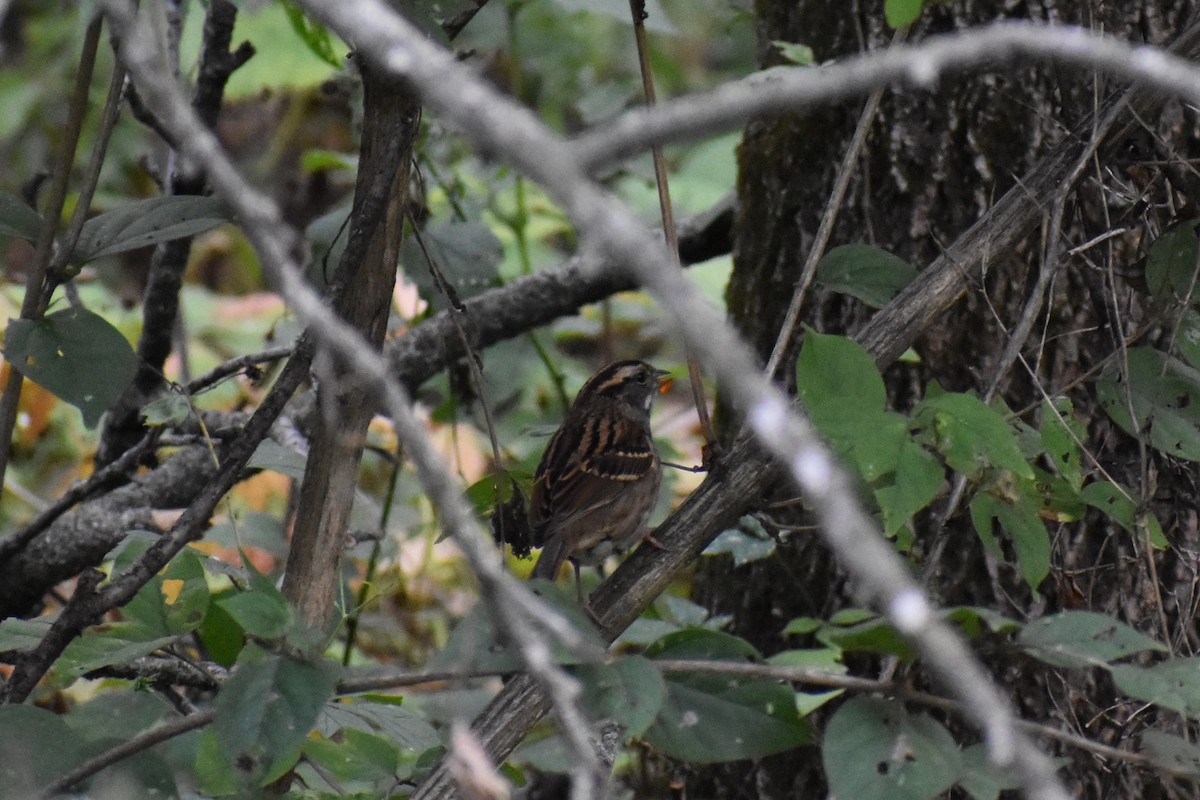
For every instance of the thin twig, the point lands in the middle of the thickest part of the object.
(637, 10)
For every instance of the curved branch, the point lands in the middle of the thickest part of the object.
(918, 66)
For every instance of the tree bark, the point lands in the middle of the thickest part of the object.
(312, 575)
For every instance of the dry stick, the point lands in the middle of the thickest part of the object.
(787, 330)
(637, 9)
(37, 285)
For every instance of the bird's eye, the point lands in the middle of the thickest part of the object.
(641, 377)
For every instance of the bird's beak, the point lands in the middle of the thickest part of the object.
(665, 381)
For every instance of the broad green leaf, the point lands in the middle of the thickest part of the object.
(266, 709)
(75, 354)
(833, 371)
(973, 619)
(630, 690)
(823, 659)
(22, 634)
(1173, 684)
(872, 275)
(104, 646)
(740, 718)
(1083, 639)
(171, 603)
(18, 219)
(873, 748)
(982, 780)
(356, 756)
(145, 222)
(1171, 263)
(1188, 339)
(261, 611)
(744, 547)
(314, 35)
(409, 731)
(799, 54)
(1176, 753)
(273, 456)
(467, 254)
(1165, 395)
(702, 644)
(1058, 442)
(970, 435)
(917, 480)
(39, 746)
(1019, 519)
(875, 635)
(170, 409)
(901, 13)
(116, 716)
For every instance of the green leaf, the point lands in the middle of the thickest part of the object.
(358, 756)
(411, 732)
(1188, 339)
(835, 372)
(1173, 684)
(872, 275)
(875, 635)
(630, 690)
(744, 547)
(970, 435)
(1019, 518)
(262, 611)
(265, 711)
(314, 35)
(467, 254)
(901, 13)
(104, 646)
(75, 354)
(1058, 442)
(170, 409)
(18, 219)
(799, 54)
(22, 634)
(917, 480)
(739, 719)
(145, 222)
(873, 748)
(276, 457)
(1171, 263)
(972, 620)
(1083, 639)
(1165, 395)
(1176, 753)
(701, 644)
(172, 603)
(982, 780)
(38, 747)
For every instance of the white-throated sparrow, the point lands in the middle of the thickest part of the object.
(598, 479)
